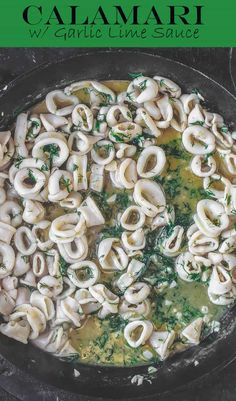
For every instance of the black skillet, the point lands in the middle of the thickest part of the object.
(115, 382)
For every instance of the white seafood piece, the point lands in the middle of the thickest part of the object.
(20, 134)
(6, 232)
(189, 101)
(41, 232)
(11, 213)
(191, 230)
(149, 196)
(25, 241)
(213, 118)
(179, 120)
(18, 330)
(22, 264)
(114, 177)
(33, 211)
(196, 116)
(229, 261)
(50, 286)
(68, 288)
(220, 281)
(133, 241)
(134, 270)
(33, 128)
(7, 304)
(57, 102)
(3, 194)
(211, 218)
(203, 166)
(145, 120)
(52, 340)
(7, 149)
(187, 267)
(143, 330)
(127, 173)
(43, 303)
(28, 182)
(88, 303)
(198, 140)
(215, 257)
(34, 317)
(39, 266)
(162, 341)
(225, 299)
(200, 244)
(91, 213)
(100, 124)
(73, 201)
(23, 296)
(106, 298)
(230, 163)
(67, 350)
(82, 117)
(83, 274)
(28, 279)
(125, 150)
(60, 184)
(117, 114)
(103, 152)
(137, 293)
(27, 163)
(151, 162)
(51, 121)
(77, 165)
(193, 331)
(166, 111)
(9, 284)
(132, 218)
(98, 92)
(152, 109)
(172, 244)
(53, 262)
(74, 251)
(210, 184)
(124, 132)
(166, 85)
(142, 89)
(52, 147)
(121, 98)
(66, 227)
(223, 138)
(72, 310)
(111, 255)
(80, 144)
(131, 311)
(96, 179)
(164, 218)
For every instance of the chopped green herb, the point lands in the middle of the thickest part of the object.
(30, 133)
(17, 162)
(63, 266)
(135, 74)
(201, 123)
(52, 151)
(31, 176)
(65, 183)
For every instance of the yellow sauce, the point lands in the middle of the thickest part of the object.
(102, 341)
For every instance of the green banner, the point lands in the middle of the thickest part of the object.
(117, 23)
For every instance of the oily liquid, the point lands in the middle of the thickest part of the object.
(102, 341)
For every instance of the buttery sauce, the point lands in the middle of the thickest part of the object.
(174, 304)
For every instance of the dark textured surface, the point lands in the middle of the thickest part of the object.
(219, 64)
